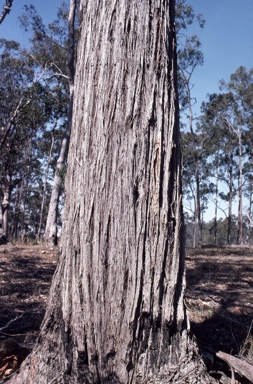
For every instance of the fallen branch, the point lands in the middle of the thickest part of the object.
(241, 366)
(10, 322)
(16, 334)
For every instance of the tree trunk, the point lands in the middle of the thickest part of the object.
(216, 197)
(230, 200)
(240, 187)
(5, 207)
(198, 205)
(16, 216)
(197, 237)
(45, 186)
(50, 236)
(1, 220)
(116, 309)
(238, 132)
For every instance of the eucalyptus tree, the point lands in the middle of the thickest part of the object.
(196, 190)
(189, 57)
(240, 124)
(25, 107)
(116, 310)
(227, 121)
(15, 74)
(54, 50)
(215, 114)
(51, 225)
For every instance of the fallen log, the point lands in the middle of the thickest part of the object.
(241, 366)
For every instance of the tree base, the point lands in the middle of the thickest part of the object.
(42, 367)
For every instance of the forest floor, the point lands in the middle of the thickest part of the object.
(219, 300)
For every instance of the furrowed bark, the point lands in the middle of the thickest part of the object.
(116, 310)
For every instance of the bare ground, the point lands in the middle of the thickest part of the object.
(220, 303)
(219, 299)
(25, 277)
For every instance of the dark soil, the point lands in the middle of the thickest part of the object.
(219, 299)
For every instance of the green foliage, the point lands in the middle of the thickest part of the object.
(34, 98)
(185, 16)
(189, 50)
(189, 57)
(223, 140)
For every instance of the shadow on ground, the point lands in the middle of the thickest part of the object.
(25, 278)
(220, 303)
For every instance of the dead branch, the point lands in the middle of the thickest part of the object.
(241, 366)
(12, 119)
(10, 322)
(6, 10)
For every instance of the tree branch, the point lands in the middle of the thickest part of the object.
(241, 366)
(6, 10)
(11, 121)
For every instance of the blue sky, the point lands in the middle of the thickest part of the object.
(227, 37)
(227, 42)
(10, 28)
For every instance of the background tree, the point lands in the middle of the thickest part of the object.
(54, 49)
(226, 121)
(195, 173)
(51, 225)
(189, 57)
(221, 156)
(241, 87)
(45, 62)
(116, 309)
(24, 109)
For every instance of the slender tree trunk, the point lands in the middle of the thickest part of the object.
(197, 240)
(5, 207)
(45, 186)
(240, 182)
(198, 205)
(5, 221)
(13, 225)
(1, 220)
(216, 197)
(116, 310)
(230, 202)
(238, 132)
(51, 224)
(195, 226)
(16, 219)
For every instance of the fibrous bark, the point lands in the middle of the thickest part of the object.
(116, 309)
